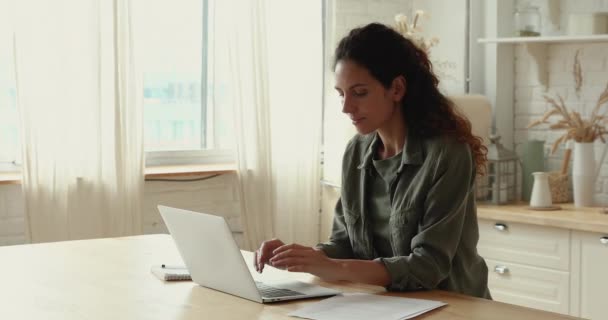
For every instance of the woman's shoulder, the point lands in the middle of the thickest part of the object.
(446, 146)
(359, 142)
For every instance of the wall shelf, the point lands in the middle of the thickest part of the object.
(545, 39)
(537, 48)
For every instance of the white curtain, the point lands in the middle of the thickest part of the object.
(81, 116)
(270, 57)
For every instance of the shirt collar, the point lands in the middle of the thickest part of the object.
(411, 154)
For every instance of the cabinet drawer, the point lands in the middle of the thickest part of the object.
(527, 286)
(526, 244)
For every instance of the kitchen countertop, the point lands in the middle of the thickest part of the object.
(590, 219)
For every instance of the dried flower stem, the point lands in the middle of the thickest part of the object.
(577, 128)
(577, 73)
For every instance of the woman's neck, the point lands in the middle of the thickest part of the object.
(393, 136)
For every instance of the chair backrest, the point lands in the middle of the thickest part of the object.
(478, 110)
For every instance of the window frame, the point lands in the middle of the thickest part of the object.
(201, 156)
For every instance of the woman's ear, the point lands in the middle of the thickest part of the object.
(398, 88)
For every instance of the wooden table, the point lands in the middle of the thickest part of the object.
(111, 279)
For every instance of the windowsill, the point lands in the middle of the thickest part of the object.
(153, 171)
(189, 170)
(10, 177)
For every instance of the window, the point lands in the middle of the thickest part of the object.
(182, 124)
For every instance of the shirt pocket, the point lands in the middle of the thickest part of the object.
(358, 241)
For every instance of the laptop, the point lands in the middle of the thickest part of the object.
(214, 260)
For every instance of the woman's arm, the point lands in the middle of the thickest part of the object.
(338, 246)
(298, 258)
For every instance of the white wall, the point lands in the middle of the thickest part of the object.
(12, 220)
(217, 195)
(447, 21)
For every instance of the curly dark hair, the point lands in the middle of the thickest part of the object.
(386, 54)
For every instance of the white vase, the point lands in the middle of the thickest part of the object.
(583, 174)
(541, 194)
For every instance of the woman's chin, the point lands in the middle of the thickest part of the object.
(362, 130)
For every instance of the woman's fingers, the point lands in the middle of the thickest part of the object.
(291, 253)
(266, 252)
(290, 262)
(289, 247)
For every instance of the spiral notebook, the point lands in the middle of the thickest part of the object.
(171, 273)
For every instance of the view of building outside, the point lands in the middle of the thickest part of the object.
(169, 48)
(168, 38)
(172, 111)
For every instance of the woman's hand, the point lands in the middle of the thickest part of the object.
(265, 253)
(298, 258)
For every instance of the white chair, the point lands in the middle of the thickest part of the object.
(478, 110)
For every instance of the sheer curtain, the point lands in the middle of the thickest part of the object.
(81, 119)
(269, 55)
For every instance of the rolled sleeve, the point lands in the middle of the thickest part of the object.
(440, 228)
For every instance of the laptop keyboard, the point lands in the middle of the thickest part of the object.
(272, 292)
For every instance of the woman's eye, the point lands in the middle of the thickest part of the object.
(360, 93)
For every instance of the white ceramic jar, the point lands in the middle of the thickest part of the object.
(541, 194)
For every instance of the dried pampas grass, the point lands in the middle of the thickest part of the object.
(577, 128)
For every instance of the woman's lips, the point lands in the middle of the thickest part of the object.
(357, 121)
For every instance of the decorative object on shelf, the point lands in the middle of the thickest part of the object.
(584, 131)
(413, 32)
(541, 194)
(581, 24)
(559, 181)
(527, 21)
(533, 160)
(501, 186)
(584, 172)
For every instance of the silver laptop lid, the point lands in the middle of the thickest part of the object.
(210, 253)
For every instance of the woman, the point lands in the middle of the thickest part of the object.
(406, 218)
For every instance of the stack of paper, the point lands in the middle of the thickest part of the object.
(355, 306)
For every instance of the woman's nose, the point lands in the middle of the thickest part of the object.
(347, 106)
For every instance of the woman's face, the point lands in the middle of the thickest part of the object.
(368, 104)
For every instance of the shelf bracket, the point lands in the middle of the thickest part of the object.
(538, 52)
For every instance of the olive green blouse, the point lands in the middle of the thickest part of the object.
(422, 226)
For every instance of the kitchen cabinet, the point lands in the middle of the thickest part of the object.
(592, 267)
(527, 265)
(550, 260)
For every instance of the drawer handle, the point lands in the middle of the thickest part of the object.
(501, 269)
(604, 240)
(501, 227)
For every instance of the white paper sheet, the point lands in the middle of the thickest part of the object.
(354, 306)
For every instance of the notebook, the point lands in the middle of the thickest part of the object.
(171, 273)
